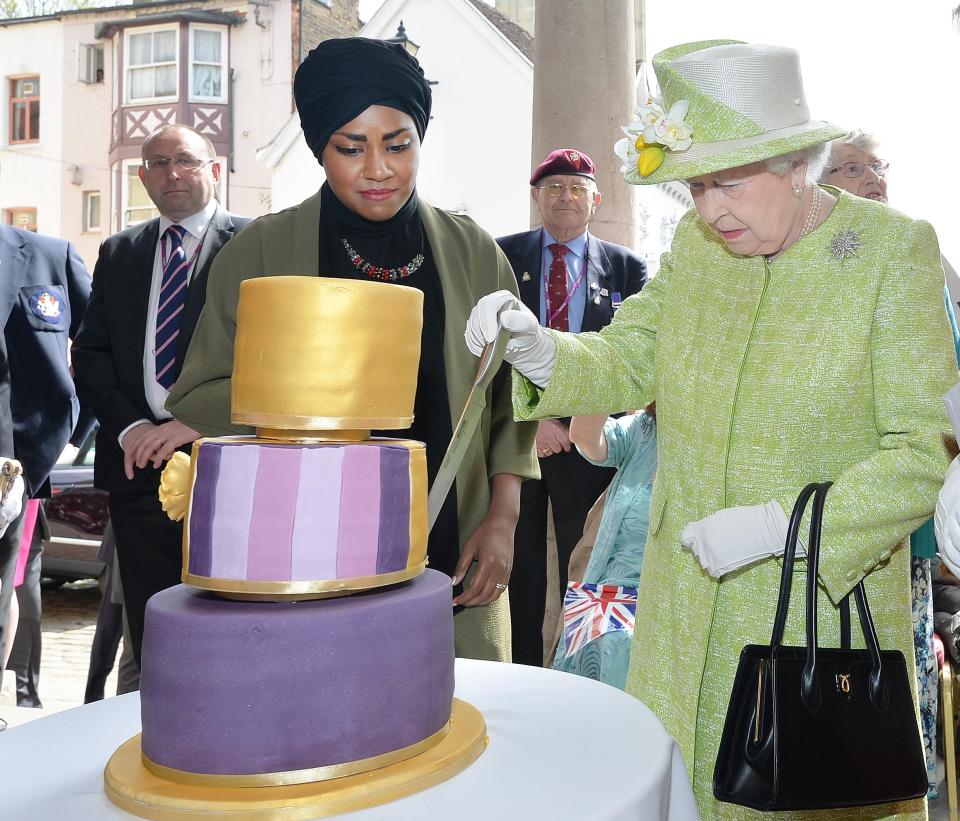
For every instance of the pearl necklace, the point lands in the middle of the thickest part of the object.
(378, 272)
(812, 214)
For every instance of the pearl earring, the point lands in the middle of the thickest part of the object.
(797, 190)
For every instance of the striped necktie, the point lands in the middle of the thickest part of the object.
(173, 298)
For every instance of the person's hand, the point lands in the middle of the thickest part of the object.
(146, 443)
(946, 518)
(491, 547)
(531, 351)
(12, 503)
(737, 536)
(552, 437)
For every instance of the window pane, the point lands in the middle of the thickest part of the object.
(19, 121)
(140, 54)
(164, 46)
(27, 87)
(35, 120)
(206, 46)
(166, 81)
(206, 81)
(136, 194)
(141, 83)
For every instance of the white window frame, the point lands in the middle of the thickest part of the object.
(125, 167)
(128, 67)
(224, 63)
(88, 198)
(90, 58)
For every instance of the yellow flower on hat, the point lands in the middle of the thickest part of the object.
(650, 159)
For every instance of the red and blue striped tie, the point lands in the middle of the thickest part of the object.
(173, 298)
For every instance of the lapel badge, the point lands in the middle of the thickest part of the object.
(604, 292)
(596, 299)
(525, 277)
(46, 306)
(593, 286)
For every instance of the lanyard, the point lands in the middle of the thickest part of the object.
(570, 291)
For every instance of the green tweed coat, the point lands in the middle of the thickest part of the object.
(470, 265)
(827, 363)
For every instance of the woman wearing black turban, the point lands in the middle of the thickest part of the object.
(364, 107)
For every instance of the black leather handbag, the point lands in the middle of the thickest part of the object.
(819, 728)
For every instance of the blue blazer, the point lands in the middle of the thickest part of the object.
(45, 292)
(612, 268)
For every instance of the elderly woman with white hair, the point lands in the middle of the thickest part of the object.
(794, 334)
(855, 166)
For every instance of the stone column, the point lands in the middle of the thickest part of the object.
(583, 91)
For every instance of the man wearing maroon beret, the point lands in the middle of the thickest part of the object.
(573, 281)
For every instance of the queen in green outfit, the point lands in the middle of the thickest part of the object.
(795, 333)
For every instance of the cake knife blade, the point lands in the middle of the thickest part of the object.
(490, 361)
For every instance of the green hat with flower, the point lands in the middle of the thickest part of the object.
(725, 104)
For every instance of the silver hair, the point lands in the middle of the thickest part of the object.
(863, 140)
(817, 158)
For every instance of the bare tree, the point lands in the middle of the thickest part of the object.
(10, 9)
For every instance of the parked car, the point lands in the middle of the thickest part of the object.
(76, 515)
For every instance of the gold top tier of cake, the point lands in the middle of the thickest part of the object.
(325, 354)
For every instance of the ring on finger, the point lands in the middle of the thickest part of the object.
(500, 586)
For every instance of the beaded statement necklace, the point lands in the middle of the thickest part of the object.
(378, 272)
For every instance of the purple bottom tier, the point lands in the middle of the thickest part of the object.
(244, 688)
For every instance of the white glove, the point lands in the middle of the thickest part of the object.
(530, 350)
(737, 536)
(10, 507)
(946, 518)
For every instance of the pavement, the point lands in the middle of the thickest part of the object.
(69, 620)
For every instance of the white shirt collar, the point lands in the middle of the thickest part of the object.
(196, 224)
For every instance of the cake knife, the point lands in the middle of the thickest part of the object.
(490, 361)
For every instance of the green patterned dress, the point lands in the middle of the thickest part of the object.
(827, 363)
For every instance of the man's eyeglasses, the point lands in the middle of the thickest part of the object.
(577, 190)
(183, 163)
(853, 170)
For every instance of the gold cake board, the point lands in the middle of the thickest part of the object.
(133, 788)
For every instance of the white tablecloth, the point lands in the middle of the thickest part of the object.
(561, 747)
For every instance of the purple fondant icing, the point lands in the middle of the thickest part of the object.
(201, 511)
(394, 539)
(270, 549)
(233, 508)
(318, 515)
(359, 498)
(255, 687)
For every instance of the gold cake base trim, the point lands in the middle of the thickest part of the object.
(246, 590)
(282, 779)
(133, 788)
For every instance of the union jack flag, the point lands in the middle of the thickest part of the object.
(590, 610)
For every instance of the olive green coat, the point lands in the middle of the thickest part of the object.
(470, 265)
(823, 364)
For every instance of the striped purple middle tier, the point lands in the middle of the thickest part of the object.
(276, 512)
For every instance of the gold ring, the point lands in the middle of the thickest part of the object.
(544, 451)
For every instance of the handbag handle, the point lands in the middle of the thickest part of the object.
(809, 683)
(789, 556)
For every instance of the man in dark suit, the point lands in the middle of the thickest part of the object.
(574, 282)
(45, 291)
(149, 286)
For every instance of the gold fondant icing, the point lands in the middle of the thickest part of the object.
(135, 789)
(317, 352)
(247, 590)
(175, 484)
(297, 776)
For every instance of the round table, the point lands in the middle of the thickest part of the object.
(561, 746)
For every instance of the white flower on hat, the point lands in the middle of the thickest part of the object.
(670, 129)
(642, 151)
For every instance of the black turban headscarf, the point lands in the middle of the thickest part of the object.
(342, 78)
